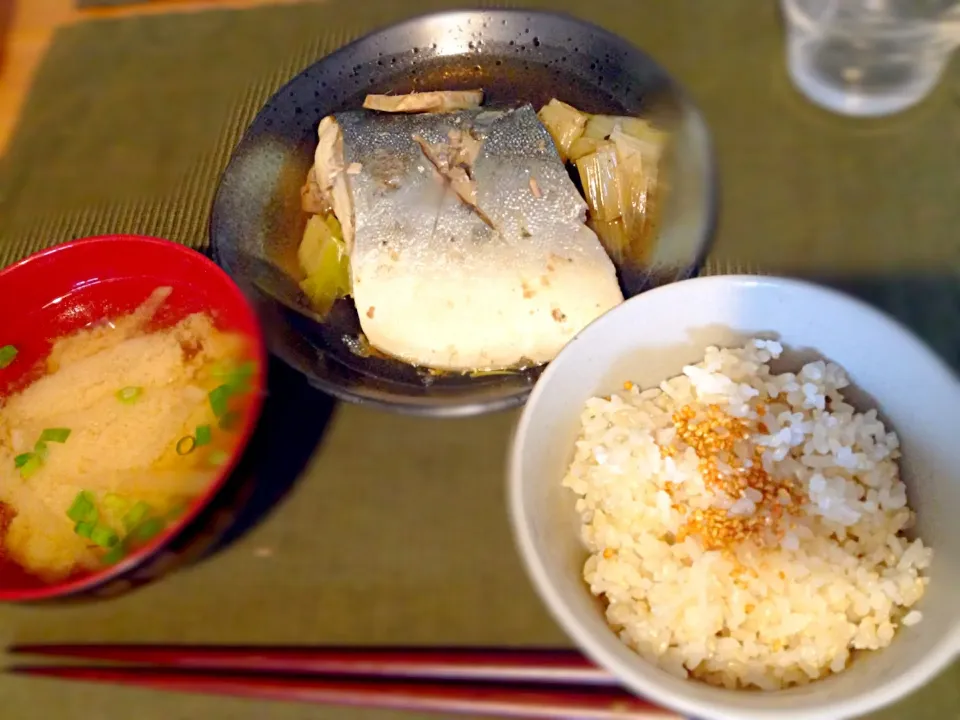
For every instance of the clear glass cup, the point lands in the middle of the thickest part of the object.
(869, 57)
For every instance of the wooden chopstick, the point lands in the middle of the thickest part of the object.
(552, 666)
(507, 701)
(511, 683)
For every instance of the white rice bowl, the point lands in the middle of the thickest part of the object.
(815, 581)
(846, 603)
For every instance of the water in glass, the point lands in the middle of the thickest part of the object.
(868, 57)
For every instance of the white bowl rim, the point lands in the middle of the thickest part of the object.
(865, 702)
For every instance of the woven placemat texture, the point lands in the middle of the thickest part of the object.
(131, 121)
(107, 3)
(398, 531)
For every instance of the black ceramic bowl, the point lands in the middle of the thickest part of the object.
(516, 57)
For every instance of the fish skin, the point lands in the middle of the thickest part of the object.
(446, 289)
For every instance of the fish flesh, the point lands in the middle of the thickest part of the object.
(467, 238)
(463, 263)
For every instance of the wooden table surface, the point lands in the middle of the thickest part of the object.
(27, 26)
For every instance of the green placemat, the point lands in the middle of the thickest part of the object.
(107, 3)
(132, 120)
(398, 532)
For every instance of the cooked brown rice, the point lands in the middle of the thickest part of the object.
(746, 528)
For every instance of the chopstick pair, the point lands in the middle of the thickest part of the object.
(504, 683)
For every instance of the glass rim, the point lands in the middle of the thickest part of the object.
(796, 16)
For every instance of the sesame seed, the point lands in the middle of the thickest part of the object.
(713, 435)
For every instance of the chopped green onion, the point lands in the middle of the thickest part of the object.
(236, 377)
(176, 511)
(229, 420)
(204, 435)
(84, 528)
(186, 445)
(148, 529)
(8, 353)
(135, 515)
(115, 503)
(83, 508)
(129, 394)
(30, 467)
(57, 435)
(28, 463)
(240, 381)
(218, 458)
(116, 554)
(219, 399)
(104, 536)
(20, 460)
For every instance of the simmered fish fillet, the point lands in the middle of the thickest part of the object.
(468, 248)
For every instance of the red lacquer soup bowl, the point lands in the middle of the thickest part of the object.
(85, 282)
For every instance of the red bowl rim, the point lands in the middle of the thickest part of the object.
(87, 582)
